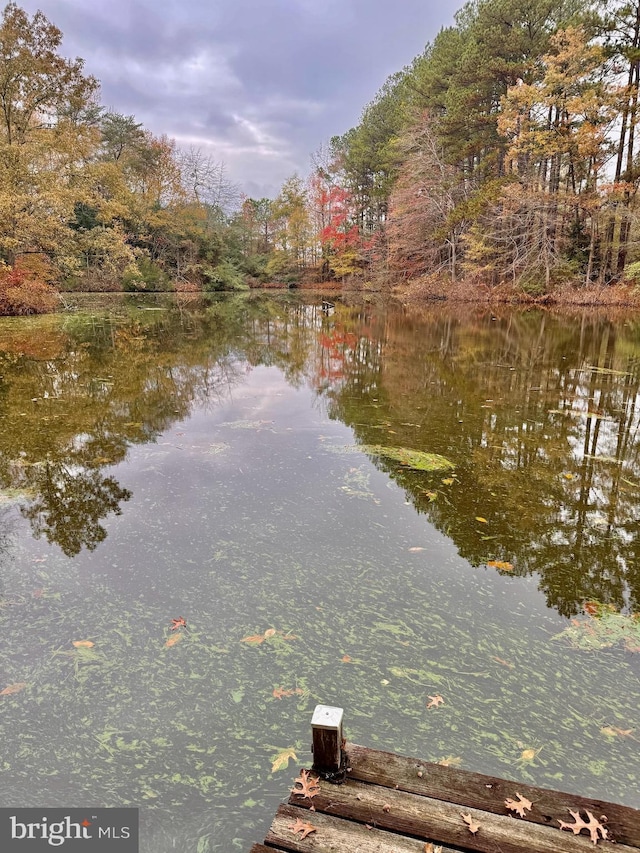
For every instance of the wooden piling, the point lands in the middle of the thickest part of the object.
(326, 728)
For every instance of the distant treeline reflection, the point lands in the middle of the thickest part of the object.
(538, 413)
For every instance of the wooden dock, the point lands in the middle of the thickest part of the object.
(380, 802)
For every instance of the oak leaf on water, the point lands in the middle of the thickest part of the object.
(593, 826)
(435, 701)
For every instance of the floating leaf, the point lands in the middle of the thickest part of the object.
(280, 692)
(614, 731)
(173, 639)
(253, 640)
(500, 564)
(83, 644)
(281, 759)
(346, 659)
(450, 761)
(270, 632)
(435, 701)
(481, 519)
(448, 481)
(13, 688)
(528, 755)
(502, 661)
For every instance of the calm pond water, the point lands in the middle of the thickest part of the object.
(225, 463)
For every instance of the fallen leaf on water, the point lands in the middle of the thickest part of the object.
(346, 659)
(500, 564)
(83, 644)
(569, 476)
(302, 827)
(520, 807)
(483, 520)
(435, 701)
(254, 639)
(281, 759)
(450, 761)
(280, 692)
(173, 639)
(308, 785)
(614, 731)
(270, 632)
(448, 481)
(502, 661)
(471, 823)
(529, 754)
(593, 826)
(13, 688)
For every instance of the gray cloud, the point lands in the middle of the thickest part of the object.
(259, 84)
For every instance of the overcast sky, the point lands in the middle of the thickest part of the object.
(259, 84)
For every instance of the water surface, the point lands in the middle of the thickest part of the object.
(161, 460)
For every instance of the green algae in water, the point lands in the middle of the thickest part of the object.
(416, 459)
(603, 630)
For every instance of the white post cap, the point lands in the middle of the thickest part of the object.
(327, 717)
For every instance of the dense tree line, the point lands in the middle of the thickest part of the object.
(505, 153)
(90, 198)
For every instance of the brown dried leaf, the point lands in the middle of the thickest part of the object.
(173, 639)
(500, 564)
(253, 640)
(302, 827)
(83, 644)
(521, 806)
(280, 692)
(593, 826)
(13, 688)
(435, 701)
(473, 826)
(308, 785)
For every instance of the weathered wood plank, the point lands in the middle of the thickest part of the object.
(433, 819)
(334, 835)
(475, 790)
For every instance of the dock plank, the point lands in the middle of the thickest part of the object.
(486, 793)
(432, 819)
(334, 834)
